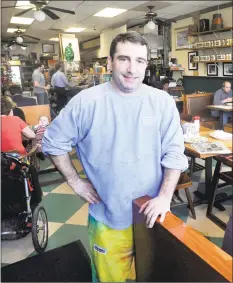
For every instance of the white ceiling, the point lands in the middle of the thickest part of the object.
(84, 11)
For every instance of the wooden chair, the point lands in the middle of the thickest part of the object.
(184, 183)
(228, 128)
(32, 114)
(227, 177)
(175, 252)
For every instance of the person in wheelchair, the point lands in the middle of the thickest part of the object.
(13, 128)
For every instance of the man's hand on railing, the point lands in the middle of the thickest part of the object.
(158, 206)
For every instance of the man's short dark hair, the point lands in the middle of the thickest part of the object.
(58, 66)
(38, 65)
(15, 89)
(165, 81)
(130, 36)
(6, 106)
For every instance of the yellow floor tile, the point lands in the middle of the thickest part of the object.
(45, 193)
(77, 165)
(53, 227)
(203, 224)
(63, 189)
(80, 217)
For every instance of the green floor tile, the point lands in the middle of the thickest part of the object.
(50, 188)
(49, 176)
(216, 240)
(60, 207)
(45, 163)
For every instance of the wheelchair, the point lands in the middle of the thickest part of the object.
(22, 212)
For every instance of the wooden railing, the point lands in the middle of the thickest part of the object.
(174, 252)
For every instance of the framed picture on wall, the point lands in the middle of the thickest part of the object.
(48, 48)
(181, 38)
(227, 69)
(192, 65)
(212, 69)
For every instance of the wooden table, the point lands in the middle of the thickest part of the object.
(221, 109)
(204, 132)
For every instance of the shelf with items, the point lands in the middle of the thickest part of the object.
(215, 61)
(210, 31)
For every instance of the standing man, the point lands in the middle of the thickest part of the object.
(129, 140)
(39, 88)
(59, 82)
(221, 96)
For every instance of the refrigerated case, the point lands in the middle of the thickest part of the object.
(16, 75)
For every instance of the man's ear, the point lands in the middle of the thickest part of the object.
(109, 67)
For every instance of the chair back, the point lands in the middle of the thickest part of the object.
(195, 104)
(32, 113)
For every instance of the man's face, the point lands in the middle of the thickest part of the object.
(227, 87)
(166, 87)
(128, 66)
(42, 68)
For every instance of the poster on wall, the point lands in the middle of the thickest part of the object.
(69, 48)
(181, 38)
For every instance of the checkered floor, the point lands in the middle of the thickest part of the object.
(67, 216)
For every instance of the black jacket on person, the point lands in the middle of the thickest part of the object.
(21, 100)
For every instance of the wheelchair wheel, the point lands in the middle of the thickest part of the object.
(39, 229)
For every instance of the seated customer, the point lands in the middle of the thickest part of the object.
(12, 129)
(17, 96)
(221, 96)
(16, 111)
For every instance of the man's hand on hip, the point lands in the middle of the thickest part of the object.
(153, 208)
(86, 191)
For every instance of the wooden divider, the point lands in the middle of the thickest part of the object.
(32, 113)
(174, 252)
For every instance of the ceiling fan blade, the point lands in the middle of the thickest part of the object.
(50, 14)
(23, 12)
(7, 7)
(61, 10)
(31, 37)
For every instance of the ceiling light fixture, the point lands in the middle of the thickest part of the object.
(24, 5)
(19, 39)
(54, 39)
(21, 20)
(23, 47)
(110, 12)
(74, 29)
(151, 25)
(39, 15)
(12, 30)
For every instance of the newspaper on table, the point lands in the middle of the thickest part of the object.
(211, 148)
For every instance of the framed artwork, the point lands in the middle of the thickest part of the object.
(227, 69)
(48, 48)
(181, 38)
(192, 65)
(212, 69)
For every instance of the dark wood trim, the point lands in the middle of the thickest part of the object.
(206, 10)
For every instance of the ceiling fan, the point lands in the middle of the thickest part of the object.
(19, 36)
(41, 10)
(151, 19)
(12, 44)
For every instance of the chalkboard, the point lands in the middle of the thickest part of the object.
(203, 84)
